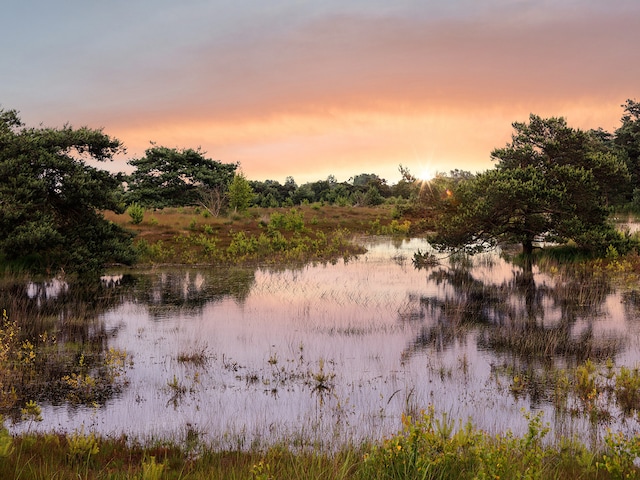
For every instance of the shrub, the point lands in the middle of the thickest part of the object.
(136, 212)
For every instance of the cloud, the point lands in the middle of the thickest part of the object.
(295, 86)
(372, 62)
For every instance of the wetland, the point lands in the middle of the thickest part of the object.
(332, 353)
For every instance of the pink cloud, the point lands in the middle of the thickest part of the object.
(364, 93)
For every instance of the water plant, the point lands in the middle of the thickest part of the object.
(177, 390)
(627, 389)
(432, 447)
(199, 357)
(427, 446)
(322, 381)
(621, 458)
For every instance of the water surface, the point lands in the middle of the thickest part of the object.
(333, 353)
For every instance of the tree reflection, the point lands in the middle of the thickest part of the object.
(55, 345)
(517, 317)
(177, 289)
(56, 342)
(537, 327)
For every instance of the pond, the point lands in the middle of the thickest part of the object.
(326, 354)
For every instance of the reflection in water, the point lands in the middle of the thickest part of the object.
(536, 323)
(174, 290)
(59, 353)
(332, 353)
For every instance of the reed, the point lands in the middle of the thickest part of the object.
(427, 446)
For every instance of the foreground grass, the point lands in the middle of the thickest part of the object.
(426, 447)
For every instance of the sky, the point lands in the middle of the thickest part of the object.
(309, 89)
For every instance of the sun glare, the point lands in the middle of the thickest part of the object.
(426, 173)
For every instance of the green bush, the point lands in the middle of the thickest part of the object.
(136, 212)
(292, 221)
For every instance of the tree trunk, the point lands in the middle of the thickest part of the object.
(527, 256)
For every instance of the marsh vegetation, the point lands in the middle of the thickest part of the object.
(266, 333)
(328, 355)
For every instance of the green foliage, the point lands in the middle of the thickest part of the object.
(242, 245)
(136, 212)
(240, 193)
(29, 367)
(6, 441)
(364, 189)
(292, 221)
(395, 227)
(434, 448)
(16, 363)
(151, 470)
(424, 259)
(167, 177)
(627, 140)
(51, 199)
(82, 446)
(551, 184)
(274, 246)
(427, 447)
(272, 194)
(620, 459)
(627, 389)
(157, 252)
(373, 196)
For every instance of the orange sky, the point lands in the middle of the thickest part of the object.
(310, 90)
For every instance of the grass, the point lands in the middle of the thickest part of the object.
(263, 235)
(426, 447)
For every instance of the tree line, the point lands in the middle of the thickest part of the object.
(167, 177)
(551, 183)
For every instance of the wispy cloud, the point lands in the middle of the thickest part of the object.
(307, 87)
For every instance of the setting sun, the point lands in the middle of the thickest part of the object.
(426, 173)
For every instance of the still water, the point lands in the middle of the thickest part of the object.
(336, 353)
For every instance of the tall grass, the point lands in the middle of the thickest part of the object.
(426, 447)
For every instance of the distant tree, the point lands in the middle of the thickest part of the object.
(303, 194)
(363, 179)
(321, 190)
(435, 194)
(408, 186)
(373, 197)
(52, 201)
(290, 184)
(550, 184)
(167, 177)
(627, 139)
(240, 193)
(268, 194)
(212, 200)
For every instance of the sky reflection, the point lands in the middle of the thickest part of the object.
(388, 338)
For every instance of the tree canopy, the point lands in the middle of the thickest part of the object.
(51, 200)
(168, 177)
(551, 183)
(627, 139)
